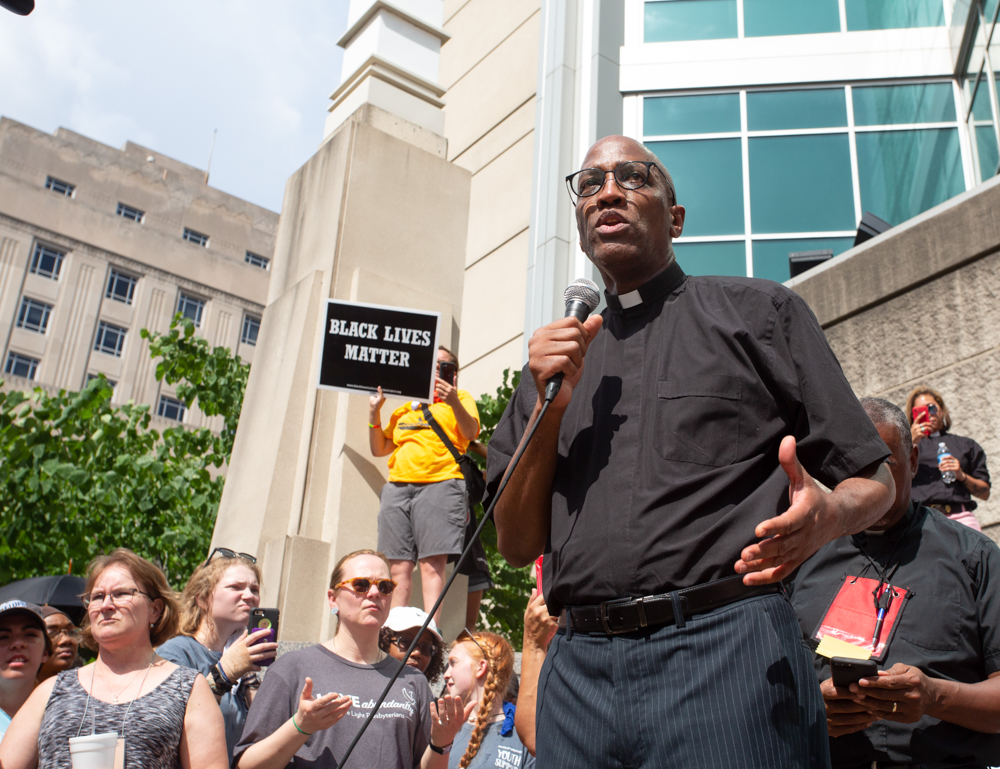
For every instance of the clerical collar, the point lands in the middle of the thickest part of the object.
(653, 289)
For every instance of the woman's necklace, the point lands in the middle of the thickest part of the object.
(114, 697)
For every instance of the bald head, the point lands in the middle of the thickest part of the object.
(640, 152)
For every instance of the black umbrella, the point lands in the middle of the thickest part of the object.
(62, 591)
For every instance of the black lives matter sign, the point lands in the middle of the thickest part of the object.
(368, 345)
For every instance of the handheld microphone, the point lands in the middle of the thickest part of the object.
(582, 297)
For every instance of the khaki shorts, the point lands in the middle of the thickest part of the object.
(420, 520)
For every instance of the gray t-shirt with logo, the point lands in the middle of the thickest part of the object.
(494, 751)
(398, 734)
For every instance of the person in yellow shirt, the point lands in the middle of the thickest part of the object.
(424, 506)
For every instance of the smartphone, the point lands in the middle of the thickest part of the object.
(447, 370)
(260, 619)
(846, 671)
(921, 414)
(538, 573)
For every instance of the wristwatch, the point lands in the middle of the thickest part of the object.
(441, 751)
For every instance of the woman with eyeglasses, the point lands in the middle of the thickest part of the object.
(398, 633)
(479, 669)
(215, 607)
(65, 643)
(163, 714)
(313, 702)
(951, 469)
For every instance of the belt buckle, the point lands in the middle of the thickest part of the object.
(603, 613)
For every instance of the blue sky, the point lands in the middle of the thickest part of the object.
(165, 74)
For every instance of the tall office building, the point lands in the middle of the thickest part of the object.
(98, 243)
(783, 122)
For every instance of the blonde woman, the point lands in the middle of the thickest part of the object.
(479, 669)
(215, 606)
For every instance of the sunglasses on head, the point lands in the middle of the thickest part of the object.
(361, 585)
(225, 552)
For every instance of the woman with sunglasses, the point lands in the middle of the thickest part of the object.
(164, 714)
(398, 633)
(313, 702)
(479, 669)
(930, 423)
(215, 607)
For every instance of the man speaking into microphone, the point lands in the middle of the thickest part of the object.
(670, 486)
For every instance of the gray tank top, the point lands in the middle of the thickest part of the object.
(152, 731)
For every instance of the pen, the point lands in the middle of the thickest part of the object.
(884, 601)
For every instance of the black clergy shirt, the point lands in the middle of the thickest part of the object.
(930, 489)
(668, 451)
(949, 628)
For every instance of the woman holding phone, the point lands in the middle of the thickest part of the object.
(942, 455)
(215, 606)
(424, 507)
(313, 701)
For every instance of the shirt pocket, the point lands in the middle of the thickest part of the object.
(697, 419)
(943, 632)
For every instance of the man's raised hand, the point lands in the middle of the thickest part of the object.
(559, 348)
(811, 521)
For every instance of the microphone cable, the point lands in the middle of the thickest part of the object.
(465, 554)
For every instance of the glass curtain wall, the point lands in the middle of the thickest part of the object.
(674, 20)
(981, 91)
(765, 173)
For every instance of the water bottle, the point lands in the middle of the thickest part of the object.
(948, 476)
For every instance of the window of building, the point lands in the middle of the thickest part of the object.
(257, 260)
(983, 128)
(251, 327)
(59, 187)
(191, 308)
(21, 365)
(171, 408)
(47, 261)
(894, 14)
(770, 172)
(110, 339)
(121, 287)
(33, 315)
(195, 237)
(790, 17)
(132, 214)
(670, 20)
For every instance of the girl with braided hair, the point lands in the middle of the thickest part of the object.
(479, 669)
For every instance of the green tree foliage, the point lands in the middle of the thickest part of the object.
(504, 605)
(79, 476)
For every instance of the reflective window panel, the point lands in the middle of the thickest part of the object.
(986, 147)
(712, 258)
(770, 257)
(674, 115)
(894, 14)
(789, 17)
(708, 176)
(669, 20)
(903, 173)
(801, 184)
(899, 104)
(778, 110)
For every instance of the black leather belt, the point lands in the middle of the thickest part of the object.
(629, 614)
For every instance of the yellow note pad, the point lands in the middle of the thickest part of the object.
(833, 647)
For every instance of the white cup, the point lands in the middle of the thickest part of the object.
(93, 751)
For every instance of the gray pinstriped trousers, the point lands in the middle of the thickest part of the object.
(733, 688)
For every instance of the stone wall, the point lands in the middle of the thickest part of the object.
(919, 305)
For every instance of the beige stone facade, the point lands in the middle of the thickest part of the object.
(918, 305)
(93, 249)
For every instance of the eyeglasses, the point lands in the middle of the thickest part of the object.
(72, 633)
(118, 597)
(361, 585)
(630, 175)
(402, 643)
(225, 552)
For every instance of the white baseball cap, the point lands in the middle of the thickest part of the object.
(410, 617)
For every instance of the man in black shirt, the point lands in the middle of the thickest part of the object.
(937, 700)
(683, 450)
